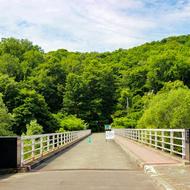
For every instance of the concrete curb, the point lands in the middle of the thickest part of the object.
(147, 168)
(7, 171)
(133, 157)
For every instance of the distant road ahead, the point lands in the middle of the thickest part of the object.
(94, 153)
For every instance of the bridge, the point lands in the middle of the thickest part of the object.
(136, 159)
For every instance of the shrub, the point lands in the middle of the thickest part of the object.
(34, 128)
(70, 123)
(123, 122)
(168, 110)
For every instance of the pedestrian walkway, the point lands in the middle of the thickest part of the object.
(146, 155)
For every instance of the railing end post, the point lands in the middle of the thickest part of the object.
(19, 152)
(187, 144)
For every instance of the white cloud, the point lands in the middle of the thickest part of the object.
(84, 25)
(180, 14)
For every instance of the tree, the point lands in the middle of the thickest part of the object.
(16, 48)
(70, 123)
(6, 120)
(74, 96)
(49, 80)
(91, 96)
(168, 109)
(33, 106)
(33, 128)
(98, 88)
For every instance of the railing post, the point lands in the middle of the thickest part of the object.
(53, 141)
(75, 135)
(139, 135)
(162, 134)
(21, 152)
(171, 142)
(155, 139)
(57, 140)
(72, 136)
(48, 143)
(33, 148)
(142, 139)
(41, 146)
(186, 144)
(61, 139)
(150, 137)
(64, 136)
(146, 137)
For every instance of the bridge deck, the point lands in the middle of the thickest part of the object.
(94, 153)
(66, 171)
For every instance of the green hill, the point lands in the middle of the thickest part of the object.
(98, 88)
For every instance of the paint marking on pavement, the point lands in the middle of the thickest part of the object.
(150, 170)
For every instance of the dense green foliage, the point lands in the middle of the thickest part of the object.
(134, 87)
(5, 119)
(33, 128)
(70, 123)
(169, 108)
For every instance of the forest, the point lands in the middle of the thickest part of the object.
(142, 87)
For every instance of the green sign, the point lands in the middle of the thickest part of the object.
(107, 127)
(90, 140)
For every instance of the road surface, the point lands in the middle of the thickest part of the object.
(93, 164)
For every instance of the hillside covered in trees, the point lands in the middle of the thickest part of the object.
(146, 87)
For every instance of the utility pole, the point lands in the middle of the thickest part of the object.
(127, 104)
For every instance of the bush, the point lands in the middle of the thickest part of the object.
(34, 128)
(168, 110)
(123, 122)
(70, 123)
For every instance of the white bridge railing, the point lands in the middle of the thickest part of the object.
(37, 146)
(170, 140)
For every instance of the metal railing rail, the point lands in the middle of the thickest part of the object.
(170, 140)
(36, 146)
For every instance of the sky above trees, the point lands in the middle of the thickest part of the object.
(93, 25)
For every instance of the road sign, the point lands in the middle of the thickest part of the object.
(90, 140)
(107, 127)
(110, 135)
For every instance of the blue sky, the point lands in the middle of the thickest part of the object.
(93, 25)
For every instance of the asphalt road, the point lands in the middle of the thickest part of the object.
(91, 164)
